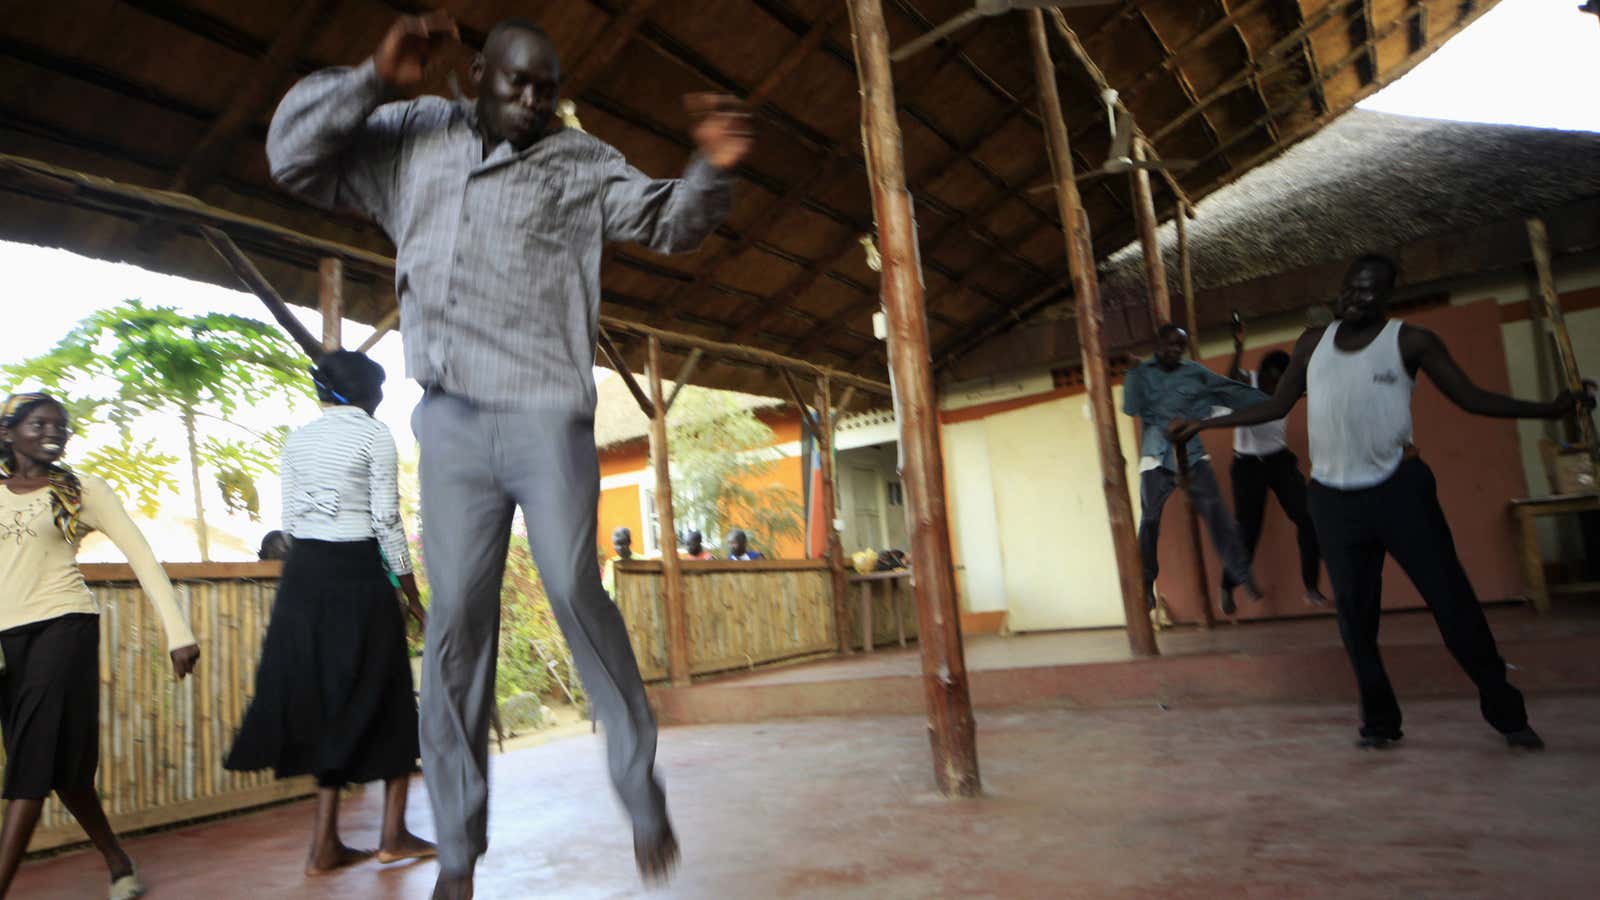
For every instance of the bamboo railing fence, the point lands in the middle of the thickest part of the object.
(162, 742)
(740, 614)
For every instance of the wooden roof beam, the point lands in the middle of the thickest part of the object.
(616, 35)
(1099, 78)
(1361, 30)
(1182, 78)
(1294, 12)
(707, 266)
(254, 95)
(1255, 83)
(1211, 33)
(1470, 12)
(1266, 62)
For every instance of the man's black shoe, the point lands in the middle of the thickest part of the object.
(1526, 739)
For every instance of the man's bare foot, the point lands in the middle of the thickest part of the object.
(453, 887)
(335, 857)
(656, 855)
(406, 846)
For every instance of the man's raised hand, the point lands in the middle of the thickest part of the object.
(721, 128)
(403, 55)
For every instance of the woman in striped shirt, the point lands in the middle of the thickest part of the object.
(334, 693)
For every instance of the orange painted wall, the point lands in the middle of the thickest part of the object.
(620, 505)
(1476, 460)
(631, 457)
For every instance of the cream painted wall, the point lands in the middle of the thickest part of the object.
(974, 524)
(1051, 516)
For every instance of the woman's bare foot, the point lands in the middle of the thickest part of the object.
(453, 887)
(406, 846)
(657, 855)
(334, 857)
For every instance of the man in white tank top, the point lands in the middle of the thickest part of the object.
(1262, 461)
(1371, 494)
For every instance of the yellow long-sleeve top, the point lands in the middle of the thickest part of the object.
(39, 576)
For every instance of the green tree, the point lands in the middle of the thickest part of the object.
(722, 458)
(156, 360)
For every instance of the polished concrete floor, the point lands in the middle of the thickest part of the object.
(1137, 802)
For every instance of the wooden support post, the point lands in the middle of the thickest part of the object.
(829, 511)
(685, 373)
(671, 566)
(620, 366)
(1155, 272)
(257, 283)
(1090, 314)
(380, 331)
(1186, 278)
(1550, 300)
(330, 294)
(866, 616)
(944, 671)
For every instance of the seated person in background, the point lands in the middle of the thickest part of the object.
(695, 547)
(622, 544)
(274, 546)
(739, 547)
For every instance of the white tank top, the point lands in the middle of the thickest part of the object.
(1264, 439)
(1358, 410)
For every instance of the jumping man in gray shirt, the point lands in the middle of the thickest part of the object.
(498, 215)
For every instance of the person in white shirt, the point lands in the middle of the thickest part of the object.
(334, 695)
(1262, 461)
(1372, 495)
(50, 632)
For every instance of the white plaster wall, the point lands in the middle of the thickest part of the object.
(1050, 509)
(974, 523)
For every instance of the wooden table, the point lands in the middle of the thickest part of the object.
(1528, 511)
(892, 579)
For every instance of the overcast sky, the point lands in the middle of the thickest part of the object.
(1526, 62)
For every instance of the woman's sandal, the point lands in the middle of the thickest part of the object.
(128, 887)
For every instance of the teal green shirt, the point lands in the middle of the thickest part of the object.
(1190, 391)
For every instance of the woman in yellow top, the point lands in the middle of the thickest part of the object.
(50, 632)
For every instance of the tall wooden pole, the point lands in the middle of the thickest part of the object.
(1539, 238)
(331, 294)
(1186, 277)
(671, 566)
(1144, 208)
(835, 549)
(1155, 272)
(1086, 290)
(944, 671)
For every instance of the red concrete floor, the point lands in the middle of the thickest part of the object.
(1298, 661)
(1511, 622)
(1263, 801)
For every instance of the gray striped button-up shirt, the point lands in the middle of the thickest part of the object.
(497, 263)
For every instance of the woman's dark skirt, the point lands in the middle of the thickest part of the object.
(50, 706)
(334, 695)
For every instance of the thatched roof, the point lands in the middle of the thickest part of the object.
(1371, 182)
(619, 420)
(177, 94)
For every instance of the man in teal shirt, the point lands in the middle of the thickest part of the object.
(1158, 391)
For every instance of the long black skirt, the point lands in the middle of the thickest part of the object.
(50, 706)
(334, 693)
